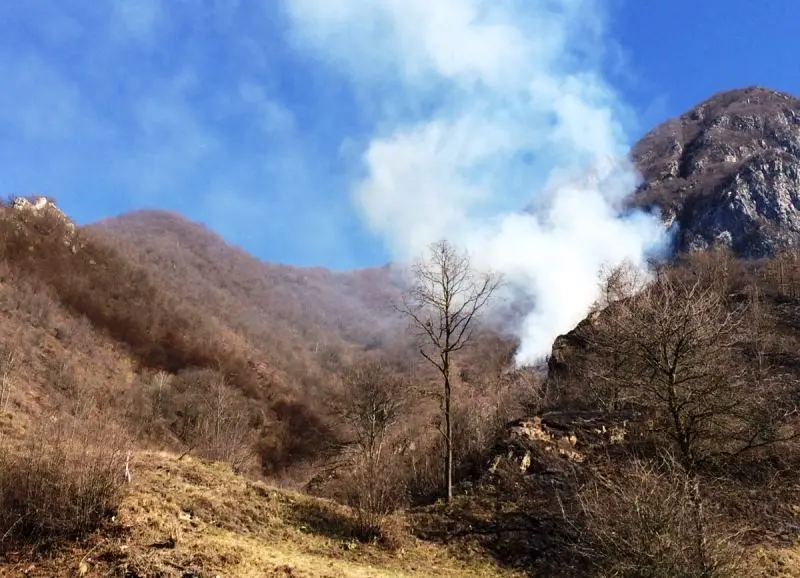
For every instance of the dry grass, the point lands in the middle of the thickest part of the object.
(777, 562)
(60, 483)
(194, 518)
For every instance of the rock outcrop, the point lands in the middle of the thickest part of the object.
(727, 172)
(555, 443)
(39, 205)
(49, 219)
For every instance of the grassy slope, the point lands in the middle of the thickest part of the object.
(225, 525)
(193, 518)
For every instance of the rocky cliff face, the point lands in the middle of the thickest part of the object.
(727, 172)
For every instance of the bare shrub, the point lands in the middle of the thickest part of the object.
(371, 400)
(64, 380)
(480, 420)
(782, 274)
(394, 533)
(197, 411)
(484, 409)
(373, 492)
(32, 302)
(647, 520)
(475, 429)
(64, 481)
(207, 415)
(9, 360)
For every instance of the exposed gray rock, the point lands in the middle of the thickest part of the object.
(728, 172)
(558, 443)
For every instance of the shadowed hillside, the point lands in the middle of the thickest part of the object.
(88, 327)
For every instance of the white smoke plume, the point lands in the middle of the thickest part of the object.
(496, 131)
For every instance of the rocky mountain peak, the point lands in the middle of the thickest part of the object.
(727, 171)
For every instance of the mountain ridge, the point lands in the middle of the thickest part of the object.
(727, 171)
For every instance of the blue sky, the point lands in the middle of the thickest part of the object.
(261, 119)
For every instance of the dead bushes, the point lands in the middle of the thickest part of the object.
(650, 520)
(200, 410)
(62, 483)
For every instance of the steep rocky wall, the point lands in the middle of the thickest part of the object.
(727, 172)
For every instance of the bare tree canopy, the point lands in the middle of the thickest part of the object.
(371, 401)
(445, 300)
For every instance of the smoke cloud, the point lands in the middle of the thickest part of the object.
(496, 130)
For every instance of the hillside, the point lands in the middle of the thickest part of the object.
(727, 171)
(300, 320)
(195, 518)
(89, 329)
(151, 332)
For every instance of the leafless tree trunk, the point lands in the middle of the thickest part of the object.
(446, 299)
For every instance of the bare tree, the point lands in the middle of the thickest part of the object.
(605, 380)
(443, 304)
(678, 354)
(678, 339)
(208, 416)
(675, 351)
(620, 282)
(757, 331)
(371, 401)
(781, 272)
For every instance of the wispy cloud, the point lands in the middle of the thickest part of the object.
(190, 106)
(487, 107)
(271, 121)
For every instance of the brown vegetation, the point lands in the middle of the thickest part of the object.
(676, 353)
(370, 403)
(640, 520)
(302, 322)
(64, 481)
(91, 279)
(699, 364)
(191, 517)
(85, 290)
